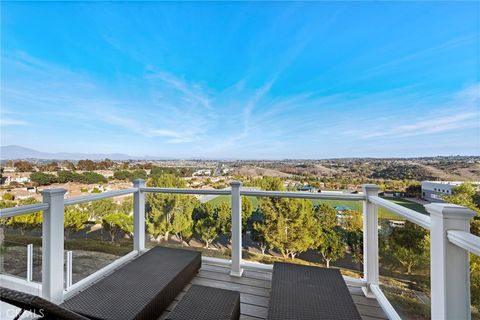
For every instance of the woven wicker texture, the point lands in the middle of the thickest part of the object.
(305, 292)
(37, 305)
(207, 303)
(142, 289)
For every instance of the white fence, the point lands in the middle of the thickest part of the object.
(451, 243)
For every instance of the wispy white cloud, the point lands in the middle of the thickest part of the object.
(458, 111)
(192, 93)
(429, 125)
(169, 112)
(11, 122)
(426, 52)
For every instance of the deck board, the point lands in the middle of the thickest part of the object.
(254, 288)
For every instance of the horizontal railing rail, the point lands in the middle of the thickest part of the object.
(16, 211)
(411, 215)
(218, 192)
(465, 240)
(99, 196)
(305, 195)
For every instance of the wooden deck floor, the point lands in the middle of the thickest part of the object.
(254, 288)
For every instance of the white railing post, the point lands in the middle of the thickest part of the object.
(52, 245)
(29, 262)
(370, 239)
(69, 272)
(449, 264)
(236, 270)
(139, 216)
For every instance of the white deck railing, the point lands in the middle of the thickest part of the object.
(451, 242)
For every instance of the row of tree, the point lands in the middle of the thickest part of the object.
(115, 218)
(63, 176)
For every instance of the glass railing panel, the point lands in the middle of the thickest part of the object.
(404, 261)
(98, 233)
(14, 259)
(311, 232)
(16, 233)
(192, 222)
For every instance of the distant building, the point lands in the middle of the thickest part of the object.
(396, 223)
(303, 188)
(343, 213)
(434, 191)
(18, 178)
(392, 194)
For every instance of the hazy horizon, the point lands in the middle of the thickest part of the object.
(315, 80)
(124, 156)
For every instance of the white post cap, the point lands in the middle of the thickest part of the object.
(450, 211)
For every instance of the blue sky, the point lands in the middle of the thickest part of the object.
(242, 80)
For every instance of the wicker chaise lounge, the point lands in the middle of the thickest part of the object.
(309, 293)
(207, 303)
(38, 306)
(141, 289)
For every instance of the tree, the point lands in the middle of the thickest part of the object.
(42, 179)
(117, 222)
(23, 166)
(105, 164)
(269, 183)
(327, 239)
(130, 175)
(69, 165)
(414, 190)
(86, 165)
(206, 226)
(223, 215)
(259, 228)
(406, 247)
(26, 222)
(352, 233)
(163, 209)
(289, 225)
(91, 177)
(67, 176)
(74, 220)
(247, 210)
(330, 246)
(207, 229)
(52, 166)
(100, 208)
(182, 226)
(122, 175)
(127, 206)
(8, 197)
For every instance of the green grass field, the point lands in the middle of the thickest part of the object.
(355, 205)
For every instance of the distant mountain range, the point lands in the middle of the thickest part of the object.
(17, 152)
(13, 152)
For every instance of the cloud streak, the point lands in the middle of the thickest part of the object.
(11, 122)
(429, 126)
